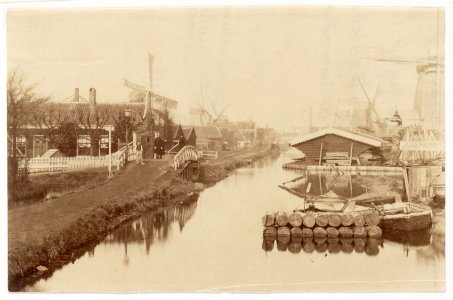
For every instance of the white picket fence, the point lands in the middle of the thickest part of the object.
(205, 154)
(60, 164)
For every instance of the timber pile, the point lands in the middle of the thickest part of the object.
(321, 225)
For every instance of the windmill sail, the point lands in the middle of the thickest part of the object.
(165, 102)
(134, 86)
(150, 66)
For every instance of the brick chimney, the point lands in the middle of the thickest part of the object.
(76, 95)
(92, 100)
(92, 96)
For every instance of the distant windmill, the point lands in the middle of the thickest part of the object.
(205, 116)
(141, 93)
(381, 122)
(389, 56)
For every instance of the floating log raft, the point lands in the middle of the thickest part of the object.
(297, 225)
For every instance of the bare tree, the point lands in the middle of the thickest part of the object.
(21, 102)
(94, 121)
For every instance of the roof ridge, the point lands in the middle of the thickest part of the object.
(359, 137)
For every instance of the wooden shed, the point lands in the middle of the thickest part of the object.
(334, 146)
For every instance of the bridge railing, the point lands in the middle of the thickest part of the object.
(187, 153)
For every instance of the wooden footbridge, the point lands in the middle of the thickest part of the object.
(186, 163)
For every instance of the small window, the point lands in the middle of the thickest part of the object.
(104, 142)
(83, 145)
(21, 145)
(39, 145)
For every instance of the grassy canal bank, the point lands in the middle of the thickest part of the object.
(44, 236)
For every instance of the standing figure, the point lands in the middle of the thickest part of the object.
(159, 147)
(139, 158)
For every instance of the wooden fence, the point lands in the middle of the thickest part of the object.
(204, 154)
(61, 164)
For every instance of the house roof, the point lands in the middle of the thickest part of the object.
(355, 136)
(207, 132)
(82, 112)
(52, 152)
(245, 125)
(173, 131)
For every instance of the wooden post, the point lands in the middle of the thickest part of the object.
(406, 183)
(320, 155)
(110, 150)
(350, 157)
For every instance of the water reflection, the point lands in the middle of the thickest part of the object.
(427, 246)
(324, 245)
(152, 227)
(350, 185)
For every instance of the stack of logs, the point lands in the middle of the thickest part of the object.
(330, 225)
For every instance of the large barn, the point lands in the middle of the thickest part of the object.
(335, 146)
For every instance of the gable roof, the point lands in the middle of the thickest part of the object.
(188, 131)
(355, 136)
(207, 132)
(174, 131)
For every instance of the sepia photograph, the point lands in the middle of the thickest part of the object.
(212, 149)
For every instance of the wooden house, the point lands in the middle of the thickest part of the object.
(173, 136)
(335, 146)
(208, 137)
(80, 128)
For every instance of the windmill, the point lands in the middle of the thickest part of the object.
(204, 115)
(140, 93)
(381, 122)
(433, 106)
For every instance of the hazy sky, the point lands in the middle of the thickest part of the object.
(268, 64)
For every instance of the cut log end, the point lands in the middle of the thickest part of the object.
(374, 232)
(347, 220)
(309, 220)
(346, 232)
(334, 220)
(270, 232)
(281, 218)
(295, 219)
(322, 220)
(319, 232)
(332, 232)
(268, 220)
(360, 232)
(372, 219)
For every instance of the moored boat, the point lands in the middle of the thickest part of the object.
(406, 216)
(395, 215)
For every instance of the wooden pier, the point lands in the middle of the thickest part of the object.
(354, 170)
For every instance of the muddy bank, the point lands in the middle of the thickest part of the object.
(211, 173)
(60, 248)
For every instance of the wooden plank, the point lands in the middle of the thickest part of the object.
(350, 157)
(320, 155)
(406, 184)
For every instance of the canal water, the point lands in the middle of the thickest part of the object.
(215, 244)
